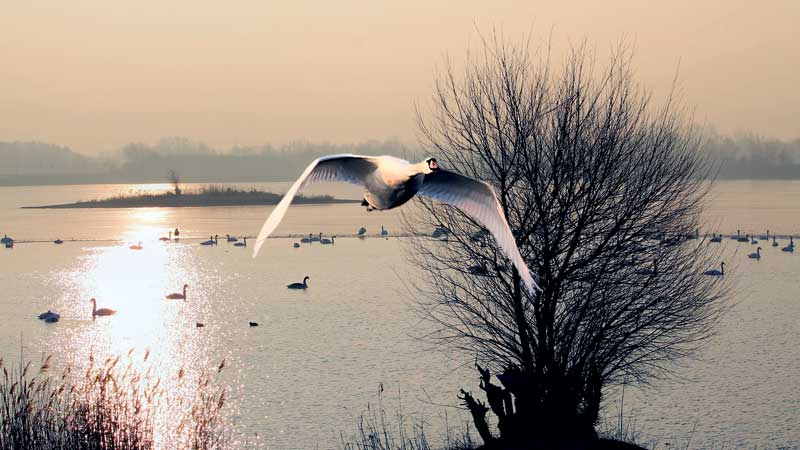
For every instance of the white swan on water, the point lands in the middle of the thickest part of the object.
(102, 311)
(178, 295)
(303, 285)
(390, 182)
(715, 272)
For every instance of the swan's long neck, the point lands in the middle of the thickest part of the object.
(420, 168)
(94, 308)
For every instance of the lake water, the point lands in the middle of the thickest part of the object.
(318, 356)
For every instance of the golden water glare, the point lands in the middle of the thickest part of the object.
(135, 283)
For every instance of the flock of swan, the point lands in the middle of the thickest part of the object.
(738, 237)
(390, 182)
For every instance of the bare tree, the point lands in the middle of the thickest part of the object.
(603, 193)
(175, 180)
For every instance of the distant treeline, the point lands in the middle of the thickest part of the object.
(32, 163)
(35, 163)
(747, 156)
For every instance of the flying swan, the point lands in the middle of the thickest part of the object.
(391, 182)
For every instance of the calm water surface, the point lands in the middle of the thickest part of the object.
(318, 357)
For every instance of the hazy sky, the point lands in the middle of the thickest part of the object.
(96, 74)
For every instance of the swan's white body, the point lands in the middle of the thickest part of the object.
(390, 182)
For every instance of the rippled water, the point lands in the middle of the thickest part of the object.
(319, 355)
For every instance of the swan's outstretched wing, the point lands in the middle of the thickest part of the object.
(478, 200)
(348, 168)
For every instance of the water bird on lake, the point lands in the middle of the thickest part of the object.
(303, 285)
(756, 255)
(790, 247)
(764, 237)
(384, 232)
(296, 245)
(362, 231)
(774, 242)
(199, 325)
(178, 295)
(477, 270)
(715, 272)
(715, 239)
(49, 316)
(745, 238)
(166, 238)
(390, 182)
(136, 247)
(241, 244)
(478, 236)
(230, 238)
(441, 231)
(253, 324)
(647, 271)
(102, 311)
(736, 236)
(58, 241)
(326, 241)
(211, 241)
(753, 241)
(6, 239)
(307, 240)
(315, 238)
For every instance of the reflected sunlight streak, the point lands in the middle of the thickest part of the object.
(135, 284)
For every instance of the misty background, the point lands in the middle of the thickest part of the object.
(89, 90)
(743, 156)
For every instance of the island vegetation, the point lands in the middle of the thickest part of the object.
(211, 195)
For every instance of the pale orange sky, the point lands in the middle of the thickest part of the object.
(95, 74)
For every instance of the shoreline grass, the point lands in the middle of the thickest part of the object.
(112, 405)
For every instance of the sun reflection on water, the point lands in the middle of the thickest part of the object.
(135, 283)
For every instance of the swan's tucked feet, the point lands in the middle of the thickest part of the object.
(366, 204)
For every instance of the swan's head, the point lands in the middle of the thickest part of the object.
(185, 286)
(306, 278)
(92, 301)
(433, 166)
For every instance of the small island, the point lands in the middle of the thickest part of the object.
(205, 196)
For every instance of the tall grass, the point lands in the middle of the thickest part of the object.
(375, 430)
(110, 406)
